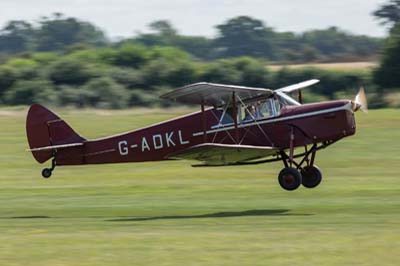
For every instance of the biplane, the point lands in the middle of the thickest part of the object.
(236, 126)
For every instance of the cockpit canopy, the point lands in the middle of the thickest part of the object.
(253, 110)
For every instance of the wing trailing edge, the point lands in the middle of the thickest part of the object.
(214, 154)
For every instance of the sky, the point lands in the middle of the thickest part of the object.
(123, 18)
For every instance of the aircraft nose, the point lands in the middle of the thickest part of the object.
(355, 106)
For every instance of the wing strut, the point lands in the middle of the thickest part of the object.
(235, 117)
(203, 115)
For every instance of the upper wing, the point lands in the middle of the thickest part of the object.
(214, 94)
(223, 154)
(298, 86)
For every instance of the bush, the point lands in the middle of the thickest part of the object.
(8, 76)
(163, 72)
(238, 71)
(69, 71)
(31, 91)
(128, 77)
(129, 55)
(142, 98)
(105, 93)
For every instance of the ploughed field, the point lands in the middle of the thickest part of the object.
(167, 213)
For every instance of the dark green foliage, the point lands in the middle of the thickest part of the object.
(129, 55)
(245, 36)
(105, 93)
(8, 76)
(59, 32)
(142, 98)
(239, 36)
(30, 91)
(50, 34)
(388, 74)
(331, 81)
(128, 77)
(241, 71)
(69, 71)
(389, 14)
(333, 43)
(16, 37)
(86, 79)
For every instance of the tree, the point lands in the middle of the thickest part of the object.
(389, 14)
(16, 36)
(163, 28)
(245, 36)
(59, 32)
(387, 75)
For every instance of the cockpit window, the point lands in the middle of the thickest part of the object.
(253, 110)
(261, 109)
(225, 117)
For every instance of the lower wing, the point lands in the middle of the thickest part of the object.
(223, 154)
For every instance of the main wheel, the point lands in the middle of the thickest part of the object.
(46, 172)
(312, 176)
(289, 178)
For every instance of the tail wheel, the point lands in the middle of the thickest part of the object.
(46, 172)
(312, 176)
(289, 178)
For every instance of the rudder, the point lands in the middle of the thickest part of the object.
(44, 128)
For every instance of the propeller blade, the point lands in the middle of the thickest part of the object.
(361, 101)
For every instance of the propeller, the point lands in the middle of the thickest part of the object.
(360, 102)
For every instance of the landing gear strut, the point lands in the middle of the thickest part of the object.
(46, 172)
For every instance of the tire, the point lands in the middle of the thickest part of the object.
(312, 176)
(46, 172)
(289, 178)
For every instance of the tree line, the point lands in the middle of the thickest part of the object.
(239, 36)
(135, 75)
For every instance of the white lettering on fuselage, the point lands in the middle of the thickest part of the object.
(145, 145)
(123, 147)
(169, 141)
(183, 142)
(156, 142)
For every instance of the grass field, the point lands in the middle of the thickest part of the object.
(168, 213)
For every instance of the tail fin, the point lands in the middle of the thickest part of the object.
(44, 130)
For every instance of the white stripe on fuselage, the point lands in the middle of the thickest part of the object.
(344, 107)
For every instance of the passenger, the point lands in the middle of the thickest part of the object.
(258, 113)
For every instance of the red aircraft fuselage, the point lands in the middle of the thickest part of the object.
(309, 123)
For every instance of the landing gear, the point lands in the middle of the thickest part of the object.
(312, 176)
(46, 172)
(289, 178)
(294, 174)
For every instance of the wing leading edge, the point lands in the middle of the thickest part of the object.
(214, 154)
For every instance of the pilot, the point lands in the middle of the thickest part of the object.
(250, 113)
